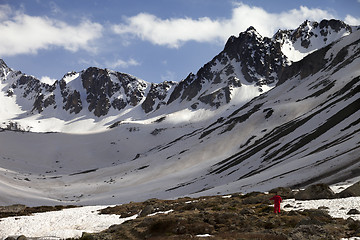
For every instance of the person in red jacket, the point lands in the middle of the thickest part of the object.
(277, 200)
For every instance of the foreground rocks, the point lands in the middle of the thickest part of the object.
(237, 216)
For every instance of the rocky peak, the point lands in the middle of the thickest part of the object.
(308, 29)
(304, 33)
(3, 64)
(106, 89)
(246, 40)
(253, 57)
(4, 69)
(260, 58)
(310, 36)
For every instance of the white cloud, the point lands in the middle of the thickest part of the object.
(123, 64)
(352, 20)
(170, 32)
(176, 31)
(24, 34)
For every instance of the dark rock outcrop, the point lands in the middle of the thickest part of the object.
(352, 191)
(316, 191)
(158, 93)
(353, 212)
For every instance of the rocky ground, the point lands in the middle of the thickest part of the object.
(235, 216)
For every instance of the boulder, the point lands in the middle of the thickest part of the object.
(148, 209)
(21, 237)
(316, 191)
(352, 191)
(87, 236)
(353, 212)
(284, 192)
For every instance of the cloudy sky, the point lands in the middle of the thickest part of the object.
(153, 40)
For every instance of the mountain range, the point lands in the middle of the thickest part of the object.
(265, 112)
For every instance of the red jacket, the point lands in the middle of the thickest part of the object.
(277, 199)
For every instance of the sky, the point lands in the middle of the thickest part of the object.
(158, 40)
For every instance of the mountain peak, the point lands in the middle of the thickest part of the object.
(2, 63)
(3, 67)
(310, 36)
(251, 30)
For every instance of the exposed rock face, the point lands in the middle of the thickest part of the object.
(101, 87)
(98, 88)
(260, 57)
(157, 96)
(5, 69)
(35, 91)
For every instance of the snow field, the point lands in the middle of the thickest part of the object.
(68, 223)
(337, 208)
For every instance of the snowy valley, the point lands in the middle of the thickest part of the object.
(263, 113)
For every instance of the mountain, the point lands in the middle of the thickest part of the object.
(252, 118)
(248, 66)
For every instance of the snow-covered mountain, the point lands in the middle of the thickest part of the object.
(264, 112)
(248, 66)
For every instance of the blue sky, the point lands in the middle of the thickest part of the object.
(154, 40)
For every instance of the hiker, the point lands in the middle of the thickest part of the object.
(277, 200)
